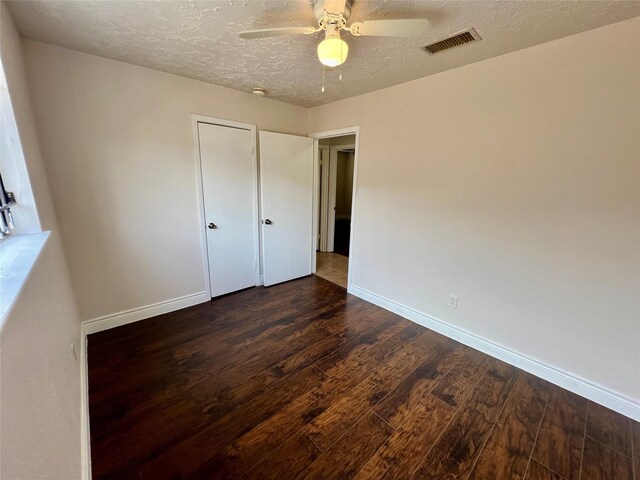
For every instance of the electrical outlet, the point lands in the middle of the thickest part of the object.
(453, 301)
(361, 191)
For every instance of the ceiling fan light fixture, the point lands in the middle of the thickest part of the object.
(333, 51)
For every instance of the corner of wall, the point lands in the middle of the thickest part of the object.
(41, 393)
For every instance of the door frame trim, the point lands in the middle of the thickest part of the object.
(323, 192)
(195, 120)
(355, 130)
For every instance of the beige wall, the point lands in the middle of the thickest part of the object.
(39, 376)
(120, 161)
(513, 183)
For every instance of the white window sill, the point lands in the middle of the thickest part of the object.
(18, 255)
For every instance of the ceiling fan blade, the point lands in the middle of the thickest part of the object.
(276, 32)
(390, 28)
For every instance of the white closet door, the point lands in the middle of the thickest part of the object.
(229, 186)
(286, 179)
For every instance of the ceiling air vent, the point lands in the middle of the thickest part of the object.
(453, 41)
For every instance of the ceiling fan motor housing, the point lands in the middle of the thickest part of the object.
(341, 7)
(333, 30)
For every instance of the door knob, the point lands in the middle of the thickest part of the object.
(268, 222)
(212, 226)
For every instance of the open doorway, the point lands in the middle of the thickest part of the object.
(336, 166)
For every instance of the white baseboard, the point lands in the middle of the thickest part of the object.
(122, 318)
(104, 323)
(581, 386)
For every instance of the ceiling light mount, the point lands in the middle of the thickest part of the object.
(333, 21)
(261, 92)
(321, 7)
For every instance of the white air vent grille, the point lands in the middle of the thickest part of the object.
(453, 41)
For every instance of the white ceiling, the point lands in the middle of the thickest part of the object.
(199, 39)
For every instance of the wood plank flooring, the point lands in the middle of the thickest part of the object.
(303, 381)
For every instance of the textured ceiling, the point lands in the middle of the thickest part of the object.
(199, 39)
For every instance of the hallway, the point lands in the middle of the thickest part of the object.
(332, 267)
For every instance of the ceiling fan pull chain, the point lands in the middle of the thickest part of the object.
(323, 67)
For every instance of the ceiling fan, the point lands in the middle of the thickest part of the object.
(332, 17)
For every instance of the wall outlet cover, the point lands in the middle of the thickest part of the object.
(453, 301)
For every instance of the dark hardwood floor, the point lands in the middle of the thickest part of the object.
(302, 380)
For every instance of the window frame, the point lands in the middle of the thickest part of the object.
(7, 200)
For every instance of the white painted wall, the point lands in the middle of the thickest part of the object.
(39, 377)
(513, 183)
(120, 161)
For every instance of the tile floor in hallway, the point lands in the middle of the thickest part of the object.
(332, 267)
